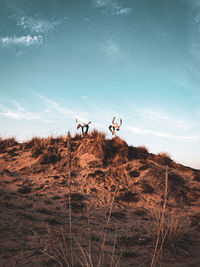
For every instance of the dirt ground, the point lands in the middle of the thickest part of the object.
(116, 193)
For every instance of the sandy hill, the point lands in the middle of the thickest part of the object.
(93, 201)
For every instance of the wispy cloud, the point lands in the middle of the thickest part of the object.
(18, 112)
(139, 130)
(162, 117)
(110, 48)
(121, 11)
(36, 25)
(112, 6)
(68, 113)
(27, 40)
(34, 29)
(55, 106)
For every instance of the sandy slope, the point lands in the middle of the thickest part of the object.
(34, 196)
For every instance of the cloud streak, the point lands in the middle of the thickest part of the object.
(55, 106)
(112, 6)
(27, 40)
(138, 130)
(34, 28)
(20, 113)
(36, 25)
(162, 117)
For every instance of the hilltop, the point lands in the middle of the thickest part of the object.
(120, 190)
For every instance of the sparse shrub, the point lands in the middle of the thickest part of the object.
(36, 150)
(66, 250)
(33, 142)
(174, 236)
(140, 152)
(45, 148)
(175, 180)
(177, 186)
(6, 143)
(37, 143)
(96, 134)
(114, 150)
(51, 155)
(76, 137)
(163, 158)
(143, 149)
(170, 232)
(157, 173)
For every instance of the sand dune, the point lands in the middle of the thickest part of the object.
(44, 181)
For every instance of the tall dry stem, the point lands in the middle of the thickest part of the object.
(107, 223)
(69, 195)
(157, 250)
(89, 232)
(113, 250)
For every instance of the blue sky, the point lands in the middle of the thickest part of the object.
(138, 60)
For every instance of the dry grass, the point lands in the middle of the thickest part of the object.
(171, 231)
(50, 156)
(40, 142)
(46, 148)
(77, 137)
(175, 231)
(140, 152)
(8, 142)
(93, 143)
(65, 249)
(67, 246)
(163, 158)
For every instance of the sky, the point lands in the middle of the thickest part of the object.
(138, 60)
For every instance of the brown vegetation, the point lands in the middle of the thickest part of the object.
(6, 143)
(93, 201)
(163, 158)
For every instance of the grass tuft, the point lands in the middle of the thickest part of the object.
(163, 158)
(140, 152)
(8, 142)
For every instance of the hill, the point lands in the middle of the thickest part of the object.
(96, 201)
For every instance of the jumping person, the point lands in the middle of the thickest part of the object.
(83, 125)
(114, 126)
